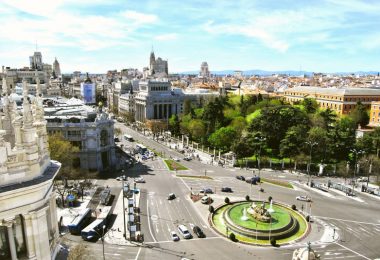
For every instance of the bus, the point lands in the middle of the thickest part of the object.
(128, 138)
(141, 149)
(341, 187)
(80, 221)
(98, 227)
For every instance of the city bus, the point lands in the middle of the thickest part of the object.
(128, 138)
(80, 221)
(95, 230)
(141, 149)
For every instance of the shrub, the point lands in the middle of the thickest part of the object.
(294, 207)
(247, 198)
(308, 218)
(270, 198)
(211, 209)
(273, 241)
(232, 237)
(227, 200)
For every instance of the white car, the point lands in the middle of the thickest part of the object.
(140, 180)
(304, 198)
(176, 159)
(174, 236)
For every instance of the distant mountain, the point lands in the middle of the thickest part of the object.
(284, 72)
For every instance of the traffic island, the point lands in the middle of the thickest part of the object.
(258, 223)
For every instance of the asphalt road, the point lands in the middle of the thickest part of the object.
(356, 219)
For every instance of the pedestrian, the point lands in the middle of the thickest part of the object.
(302, 207)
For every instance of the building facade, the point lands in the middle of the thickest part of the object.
(158, 67)
(341, 100)
(204, 72)
(28, 218)
(57, 68)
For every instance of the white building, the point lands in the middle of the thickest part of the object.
(28, 220)
(57, 68)
(204, 72)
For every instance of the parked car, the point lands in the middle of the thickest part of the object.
(251, 180)
(139, 180)
(176, 159)
(240, 178)
(198, 231)
(226, 189)
(121, 178)
(174, 236)
(171, 196)
(303, 198)
(187, 158)
(206, 191)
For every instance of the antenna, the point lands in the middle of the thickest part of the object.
(36, 46)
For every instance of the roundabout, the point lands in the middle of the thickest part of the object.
(259, 223)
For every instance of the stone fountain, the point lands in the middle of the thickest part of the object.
(271, 210)
(244, 217)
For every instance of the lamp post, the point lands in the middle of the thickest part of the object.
(309, 165)
(356, 152)
(260, 139)
(122, 189)
(102, 238)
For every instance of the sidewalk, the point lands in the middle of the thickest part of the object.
(115, 234)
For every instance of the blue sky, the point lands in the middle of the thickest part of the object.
(95, 36)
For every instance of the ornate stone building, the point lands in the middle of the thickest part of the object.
(158, 67)
(28, 220)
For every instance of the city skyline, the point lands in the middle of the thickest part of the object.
(96, 36)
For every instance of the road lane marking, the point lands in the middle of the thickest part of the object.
(183, 240)
(138, 253)
(150, 229)
(347, 220)
(352, 251)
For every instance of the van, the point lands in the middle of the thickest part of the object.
(184, 231)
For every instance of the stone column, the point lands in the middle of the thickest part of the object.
(29, 238)
(11, 238)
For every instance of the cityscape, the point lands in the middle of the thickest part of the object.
(189, 130)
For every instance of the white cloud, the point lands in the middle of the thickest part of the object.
(166, 37)
(140, 18)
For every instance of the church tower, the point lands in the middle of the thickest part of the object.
(152, 61)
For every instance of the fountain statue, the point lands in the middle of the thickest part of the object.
(260, 213)
(244, 217)
(271, 210)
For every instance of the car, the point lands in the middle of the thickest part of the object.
(240, 178)
(303, 198)
(174, 236)
(226, 189)
(198, 231)
(206, 191)
(176, 159)
(187, 158)
(139, 180)
(206, 200)
(171, 196)
(121, 178)
(184, 232)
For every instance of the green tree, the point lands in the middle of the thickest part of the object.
(319, 136)
(310, 105)
(174, 125)
(360, 114)
(293, 142)
(187, 106)
(223, 138)
(64, 152)
(197, 129)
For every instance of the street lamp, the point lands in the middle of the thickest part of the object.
(356, 152)
(122, 192)
(102, 238)
(309, 165)
(260, 139)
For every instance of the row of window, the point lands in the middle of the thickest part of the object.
(355, 99)
(158, 88)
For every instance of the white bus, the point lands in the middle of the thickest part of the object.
(128, 138)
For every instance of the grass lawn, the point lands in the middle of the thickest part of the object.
(194, 176)
(278, 183)
(172, 165)
(220, 226)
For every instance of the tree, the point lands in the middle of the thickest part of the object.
(128, 116)
(293, 141)
(360, 115)
(310, 105)
(238, 124)
(174, 125)
(156, 126)
(318, 136)
(242, 148)
(223, 138)
(64, 152)
(117, 131)
(186, 106)
(197, 129)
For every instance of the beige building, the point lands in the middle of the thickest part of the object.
(341, 100)
(28, 220)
